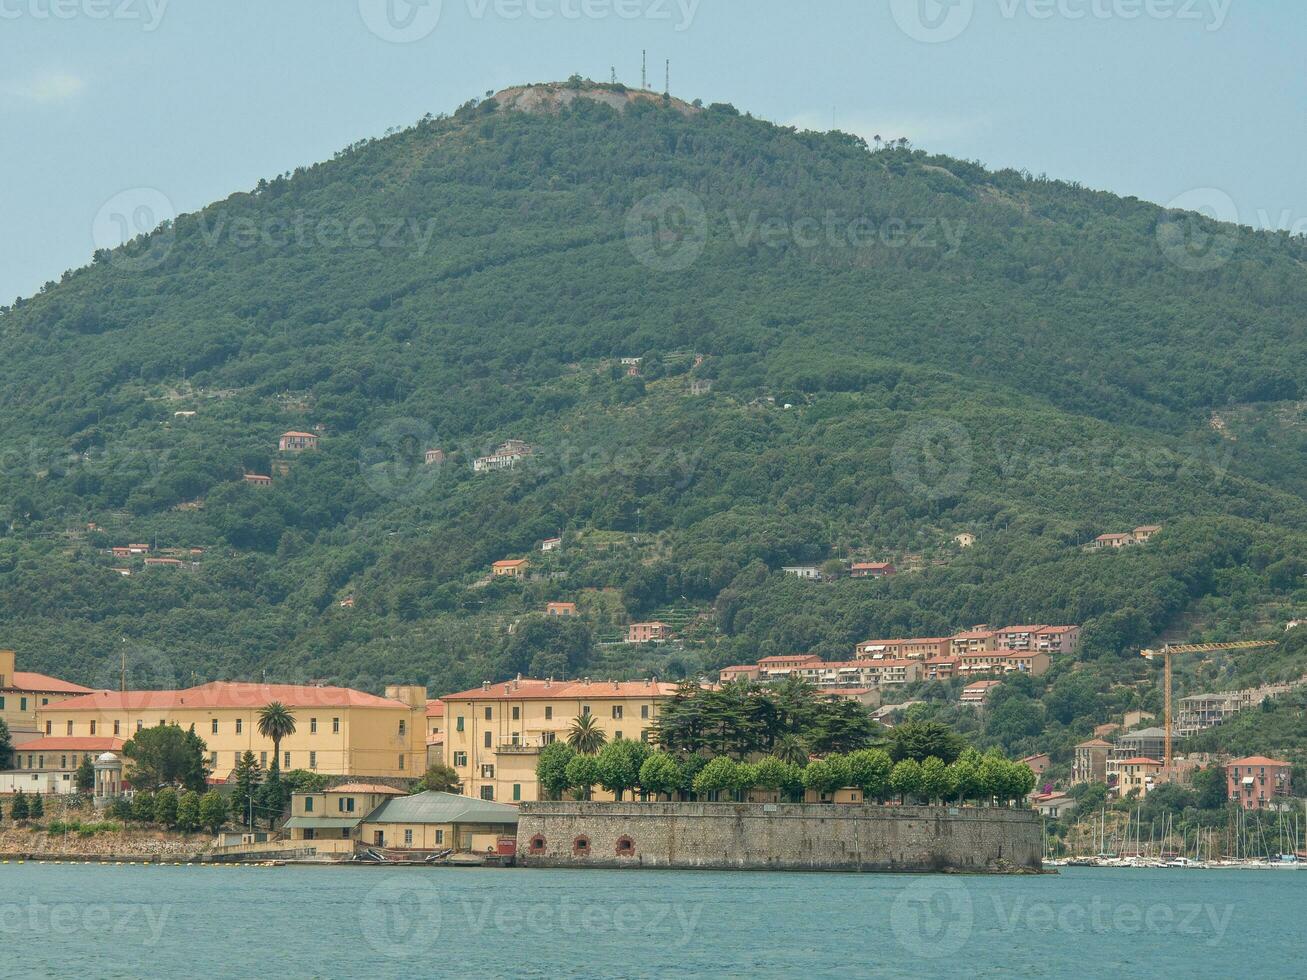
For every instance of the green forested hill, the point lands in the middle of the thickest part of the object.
(959, 349)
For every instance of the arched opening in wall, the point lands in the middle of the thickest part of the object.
(536, 845)
(625, 846)
(581, 846)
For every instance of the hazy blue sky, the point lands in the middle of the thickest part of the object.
(194, 100)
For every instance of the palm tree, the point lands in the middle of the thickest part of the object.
(585, 735)
(276, 721)
(790, 748)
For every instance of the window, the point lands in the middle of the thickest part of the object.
(213, 727)
(549, 712)
(403, 727)
(313, 760)
(440, 837)
(139, 724)
(313, 726)
(490, 713)
(263, 759)
(517, 792)
(213, 759)
(537, 844)
(581, 845)
(618, 735)
(487, 739)
(625, 846)
(517, 713)
(70, 728)
(117, 727)
(617, 711)
(240, 725)
(335, 726)
(286, 761)
(92, 728)
(460, 758)
(401, 763)
(408, 837)
(644, 735)
(47, 724)
(236, 758)
(2, 703)
(488, 772)
(458, 723)
(644, 711)
(585, 709)
(487, 792)
(22, 704)
(308, 804)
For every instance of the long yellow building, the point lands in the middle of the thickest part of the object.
(338, 731)
(493, 734)
(23, 693)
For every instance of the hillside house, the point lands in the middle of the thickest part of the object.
(809, 573)
(965, 539)
(1090, 762)
(700, 386)
(871, 569)
(971, 642)
(1144, 533)
(1136, 774)
(740, 672)
(565, 609)
(878, 649)
(941, 668)
(654, 632)
(296, 442)
(258, 480)
(1048, 639)
(783, 665)
(434, 457)
(1030, 662)
(1112, 541)
(509, 568)
(1039, 763)
(1259, 783)
(977, 693)
(503, 458)
(551, 544)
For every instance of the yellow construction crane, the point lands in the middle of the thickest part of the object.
(1170, 650)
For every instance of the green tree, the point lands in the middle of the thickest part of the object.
(36, 807)
(84, 777)
(276, 722)
(213, 811)
(165, 756)
(1209, 788)
(551, 769)
(828, 774)
(143, 806)
(18, 810)
(716, 777)
(936, 781)
(869, 770)
(165, 807)
(619, 765)
(965, 775)
(746, 778)
(189, 816)
(660, 774)
(790, 748)
(905, 779)
(919, 740)
(777, 774)
(249, 777)
(582, 774)
(585, 735)
(6, 746)
(439, 778)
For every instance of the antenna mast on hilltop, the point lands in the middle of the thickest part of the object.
(644, 69)
(613, 74)
(667, 83)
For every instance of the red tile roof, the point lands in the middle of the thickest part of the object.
(1252, 760)
(376, 788)
(528, 690)
(1139, 760)
(26, 680)
(226, 694)
(73, 744)
(435, 708)
(1094, 743)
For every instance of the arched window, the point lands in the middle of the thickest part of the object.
(581, 846)
(625, 846)
(536, 845)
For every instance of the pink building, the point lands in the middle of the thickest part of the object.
(1256, 783)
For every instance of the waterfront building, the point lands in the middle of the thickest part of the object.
(335, 814)
(1259, 783)
(439, 821)
(338, 731)
(23, 693)
(47, 765)
(494, 733)
(1137, 774)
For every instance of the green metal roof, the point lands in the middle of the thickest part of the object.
(321, 823)
(442, 808)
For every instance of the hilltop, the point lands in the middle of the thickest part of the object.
(845, 352)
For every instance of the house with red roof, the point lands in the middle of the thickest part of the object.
(296, 442)
(1259, 783)
(23, 693)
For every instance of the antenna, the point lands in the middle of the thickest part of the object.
(644, 69)
(667, 84)
(613, 74)
(122, 677)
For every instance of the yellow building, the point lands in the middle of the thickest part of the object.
(334, 815)
(494, 733)
(23, 693)
(439, 821)
(338, 731)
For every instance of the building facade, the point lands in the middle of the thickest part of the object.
(494, 733)
(1259, 783)
(24, 693)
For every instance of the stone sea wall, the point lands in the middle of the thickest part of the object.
(781, 837)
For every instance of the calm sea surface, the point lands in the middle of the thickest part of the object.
(94, 921)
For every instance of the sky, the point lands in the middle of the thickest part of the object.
(115, 112)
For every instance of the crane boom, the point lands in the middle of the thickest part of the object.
(1170, 650)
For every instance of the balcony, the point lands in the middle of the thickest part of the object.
(530, 746)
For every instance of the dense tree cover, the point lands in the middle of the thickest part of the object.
(165, 757)
(1013, 356)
